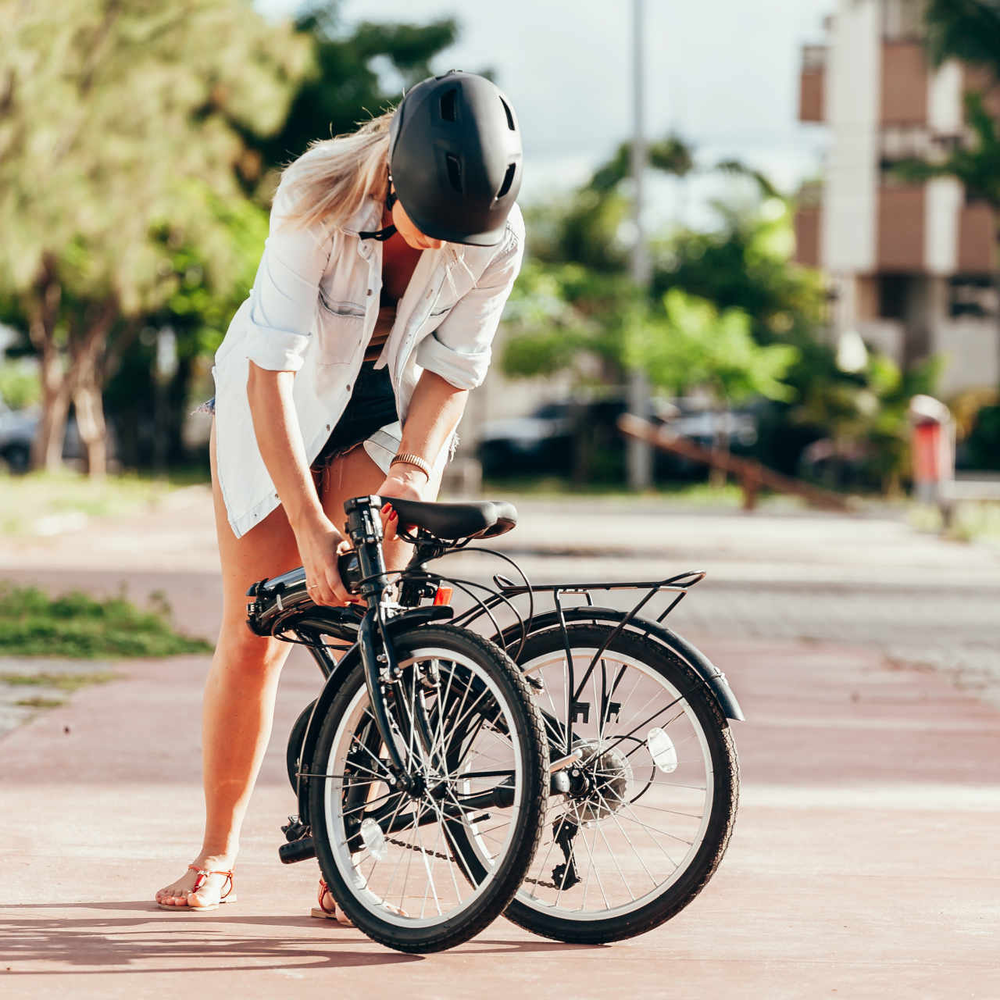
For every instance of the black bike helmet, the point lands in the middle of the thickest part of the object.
(455, 158)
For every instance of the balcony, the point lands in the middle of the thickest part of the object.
(904, 83)
(812, 84)
(901, 227)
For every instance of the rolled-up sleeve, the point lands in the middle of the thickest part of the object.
(285, 290)
(460, 349)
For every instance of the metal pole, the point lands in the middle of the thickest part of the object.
(640, 453)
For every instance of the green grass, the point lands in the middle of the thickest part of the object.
(61, 682)
(40, 702)
(972, 521)
(77, 625)
(26, 499)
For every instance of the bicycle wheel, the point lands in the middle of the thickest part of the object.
(653, 797)
(467, 726)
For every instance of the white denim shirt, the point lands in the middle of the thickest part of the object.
(312, 310)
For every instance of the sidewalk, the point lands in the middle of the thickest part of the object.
(863, 863)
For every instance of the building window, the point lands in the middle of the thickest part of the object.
(972, 295)
(892, 291)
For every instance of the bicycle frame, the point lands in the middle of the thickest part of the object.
(417, 583)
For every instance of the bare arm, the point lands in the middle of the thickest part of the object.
(279, 439)
(436, 408)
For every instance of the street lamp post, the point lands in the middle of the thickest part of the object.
(639, 455)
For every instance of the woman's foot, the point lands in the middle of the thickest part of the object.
(212, 889)
(328, 908)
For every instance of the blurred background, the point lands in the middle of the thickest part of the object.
(756, 333)
(767, 238)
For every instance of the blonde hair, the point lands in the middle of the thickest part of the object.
(329, 181)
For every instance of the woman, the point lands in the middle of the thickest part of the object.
(390, 256)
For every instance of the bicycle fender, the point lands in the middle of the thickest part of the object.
(400, 623)
(715, 680)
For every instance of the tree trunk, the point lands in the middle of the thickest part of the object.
(47, 446)
(90, 420)
(88, 386)
(42, 308)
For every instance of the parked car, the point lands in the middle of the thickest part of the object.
(557, 437)
(17, 431)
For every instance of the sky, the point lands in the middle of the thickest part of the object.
(723, 74)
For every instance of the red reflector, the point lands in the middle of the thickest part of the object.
(443, 595)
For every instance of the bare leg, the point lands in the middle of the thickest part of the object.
(239, 694)
(242, 682)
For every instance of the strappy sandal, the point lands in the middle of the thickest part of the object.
(323, 913)
(203, 874)
(337, 913)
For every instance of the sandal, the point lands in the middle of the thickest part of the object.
(203, 874)
(337, 913)
(323, 913)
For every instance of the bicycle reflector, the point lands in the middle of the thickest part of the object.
(443, 595)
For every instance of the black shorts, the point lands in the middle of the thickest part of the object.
(372, 405)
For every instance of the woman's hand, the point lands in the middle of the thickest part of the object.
(406, 482)
(320, 543)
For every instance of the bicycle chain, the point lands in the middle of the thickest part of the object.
(445, 857)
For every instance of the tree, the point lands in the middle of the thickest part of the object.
(115, 117)
(344, 85)
(968, 30)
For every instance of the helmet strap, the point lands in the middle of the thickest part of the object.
(386, 231)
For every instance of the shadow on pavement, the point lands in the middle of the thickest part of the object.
(141, 944)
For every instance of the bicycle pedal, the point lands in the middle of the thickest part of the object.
(294, 829)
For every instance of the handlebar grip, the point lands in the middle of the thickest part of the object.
(350, 571)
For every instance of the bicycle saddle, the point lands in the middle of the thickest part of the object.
(452, 521)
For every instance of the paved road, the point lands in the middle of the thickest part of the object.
(863, 863)
(871, 581)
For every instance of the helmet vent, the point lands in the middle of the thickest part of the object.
(508, 179)
(454, 171)
(449, 112)
(510, 116)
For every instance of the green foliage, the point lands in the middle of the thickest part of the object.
(207, 280)
(983, 442)
(977, 165)
(746, 265)
(692, 344)
(964, 29)
(866, 413)
(343, 86)
(669, 155)
(75, 624)
(20, 385)
(110, 108)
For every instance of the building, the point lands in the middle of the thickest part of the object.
(912, 267)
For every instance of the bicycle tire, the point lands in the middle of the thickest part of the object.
(561, 923)
(347, 726)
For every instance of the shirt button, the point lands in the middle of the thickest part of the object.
(348, 386)
(369, 291)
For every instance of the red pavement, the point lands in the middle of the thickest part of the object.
(864, 862)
